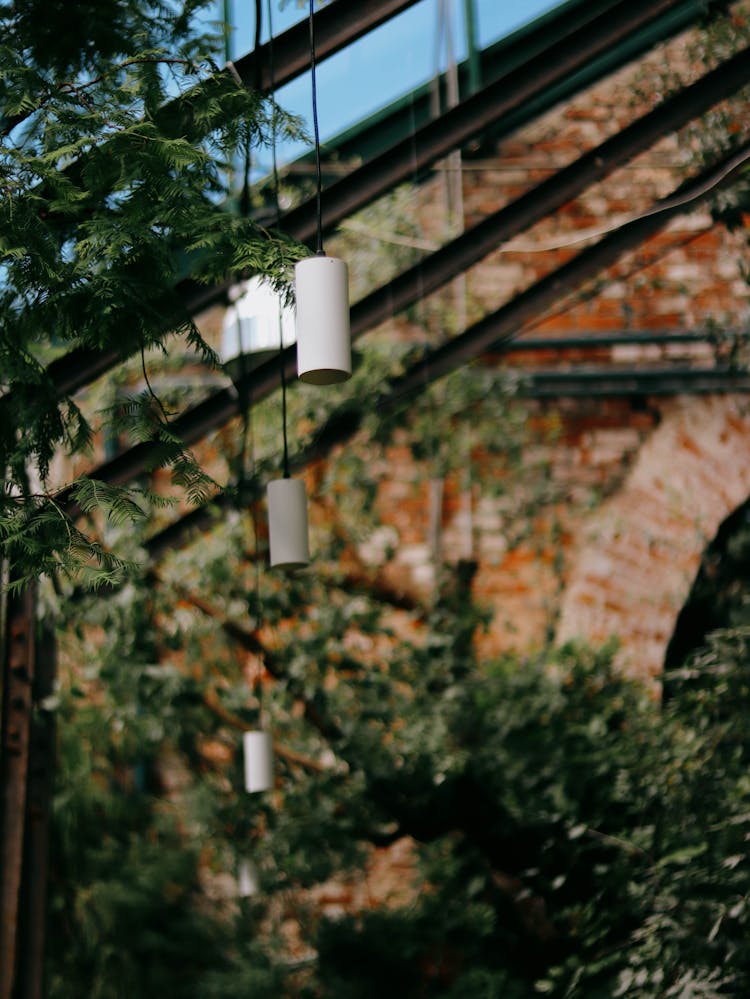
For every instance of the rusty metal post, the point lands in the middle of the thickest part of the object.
(18, 676)
(33, 906)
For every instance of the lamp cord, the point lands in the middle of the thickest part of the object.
(316, 131)
(285, 459)
(277, 210)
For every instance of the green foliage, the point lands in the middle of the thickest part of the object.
(116, 160)
(581, 841)
(124, 918)
(37, 536)
(572, 836)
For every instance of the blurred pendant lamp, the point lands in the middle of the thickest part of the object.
(287, 508)
(287, 501)
(257, 745)
(248, 878)
(322, 290)
(258, 752)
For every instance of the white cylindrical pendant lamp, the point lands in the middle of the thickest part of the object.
(258, 751)
(324, 353)
(287, 523)
(248, 879)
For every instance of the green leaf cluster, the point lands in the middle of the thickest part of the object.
(118, 147)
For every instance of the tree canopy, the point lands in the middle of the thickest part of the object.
(120, 146)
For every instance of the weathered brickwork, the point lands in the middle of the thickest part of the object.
(640, 484)
(640, 551)
(637, 486)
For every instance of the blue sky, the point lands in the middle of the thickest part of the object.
(383, 65)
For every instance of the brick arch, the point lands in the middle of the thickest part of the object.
(639, 555)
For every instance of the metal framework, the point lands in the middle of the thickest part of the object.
(575, 46)
(218, 408)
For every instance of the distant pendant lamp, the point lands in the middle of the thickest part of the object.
(258, 751)
(322, 290)
(287, 524)
(287, 501)
(248, 879)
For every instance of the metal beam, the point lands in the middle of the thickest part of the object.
(504, 324)
(607, 382)
(575, 45)
(336, 26)
(624, 338)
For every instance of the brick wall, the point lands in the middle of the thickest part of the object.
(641, 484)
(638, 485)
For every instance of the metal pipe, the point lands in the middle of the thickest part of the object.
(625, 338)
(603, 382)
(472, 46)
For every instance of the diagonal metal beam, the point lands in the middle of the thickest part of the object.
(336, 26)
(574, 46)
(504, 324)
(498, 329)
(220, 407)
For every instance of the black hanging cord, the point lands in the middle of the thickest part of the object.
(247, 154)
(285, 465)
(246, 170)
(256, 42)
(282, 371)
(316, 131)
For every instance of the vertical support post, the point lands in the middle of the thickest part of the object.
(33, 916)
(227, 26)
(18, 676)
(472, 47)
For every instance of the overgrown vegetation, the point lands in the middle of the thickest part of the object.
(118, 145)
(571, 836)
